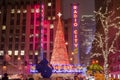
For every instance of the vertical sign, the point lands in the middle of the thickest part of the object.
(75, 30)
(42, 31)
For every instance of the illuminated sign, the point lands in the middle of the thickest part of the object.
(75, 33)
(62, 69)
(75, 25)
(42, 31)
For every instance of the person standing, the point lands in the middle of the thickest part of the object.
(5, 77)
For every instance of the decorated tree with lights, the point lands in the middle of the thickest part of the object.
(59, 55)
(105, 40)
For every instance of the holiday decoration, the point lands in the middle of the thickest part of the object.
(95, 70)
(44, 68)
(59, 55)
(105, 41)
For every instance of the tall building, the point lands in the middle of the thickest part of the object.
(87, 32)
(27, 30)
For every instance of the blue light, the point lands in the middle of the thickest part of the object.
(63, 69)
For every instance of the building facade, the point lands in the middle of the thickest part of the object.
(26, 30)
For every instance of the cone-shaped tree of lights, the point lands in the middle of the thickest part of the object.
(59, 55)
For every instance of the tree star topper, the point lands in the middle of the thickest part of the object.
(59, 14)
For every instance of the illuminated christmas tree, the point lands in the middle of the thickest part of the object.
(59, 55)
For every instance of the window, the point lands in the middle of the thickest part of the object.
(17, 39)
(16, 52)
(17, 31)
(23, 38)
(12, 22)
(16, 46)
(31, 39)
(12, 11)
(18, 21)
(31, 46)
(10, 39)
(31, 31)
(4, 27)
(24, 22)
(22, 52)
(23, 29)
(24, 15)
(2, 47)
(11, 31)
(22, 46)
(30, 56)
(10, 46)
(2, 39)
(4, 18)
(12, 16)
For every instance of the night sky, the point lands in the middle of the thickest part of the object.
(85, 7)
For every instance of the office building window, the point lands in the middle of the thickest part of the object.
(1, 53)
(23, 38)
(11, 31)
(16, 53)
(12, 22)
(24, 15)
(4, 18)
(4, 27)
(23, 29)
(30, 56)
(12, 11)
(22, 46)
(10, 39)
(31, 47)
(31, 31)
(2, 47)
(2, 39)
(10, 46)
(31, 39)
(24, 22)
(22, 53)
(12, 16)
(17, 39)
(16, 46)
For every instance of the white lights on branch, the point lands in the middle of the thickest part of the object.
(109, 20)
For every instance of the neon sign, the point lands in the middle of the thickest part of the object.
(75, 25)
(62, 69)
(75, 33)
